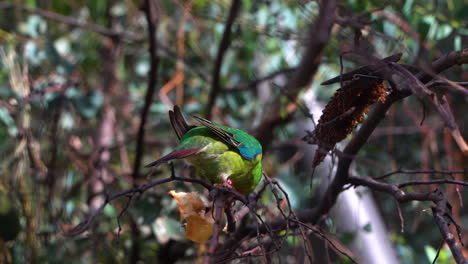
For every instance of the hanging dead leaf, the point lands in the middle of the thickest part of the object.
(198, 223)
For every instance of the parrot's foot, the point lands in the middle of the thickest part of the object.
(226, 183)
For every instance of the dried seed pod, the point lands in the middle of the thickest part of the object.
(343, 113)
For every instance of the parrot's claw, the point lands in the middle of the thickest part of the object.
(228, 184)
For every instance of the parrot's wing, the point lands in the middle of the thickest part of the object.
(221, 133)
(178, 122)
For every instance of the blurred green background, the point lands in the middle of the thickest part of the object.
(73, 78)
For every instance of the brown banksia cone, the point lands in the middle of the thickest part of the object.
(343, 113)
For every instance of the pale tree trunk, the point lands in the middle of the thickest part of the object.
(355, 208)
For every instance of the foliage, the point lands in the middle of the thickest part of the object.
(73, 81)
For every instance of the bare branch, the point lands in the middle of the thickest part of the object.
(442, 86)
(342, 178)
(373, 120)
(443, 63)
(441, 211)
(223, 46)
(438, 252)
(320, 34)
(401, 171)
(83, 226)
(152, 20)
(219, 203)
(443, 181)
(402, 219)
(254, 83)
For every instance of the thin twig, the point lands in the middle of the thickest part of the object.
(400, 215)
(218, 211)
(83, 226)
(429, 182)
(317, 231)
(122, 212)
(254, 83)
(307, 248)
(441, 210)
(401, 171)
(438, 251)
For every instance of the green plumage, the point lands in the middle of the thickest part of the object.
(219, 154)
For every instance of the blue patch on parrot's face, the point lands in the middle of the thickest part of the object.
(248, 153)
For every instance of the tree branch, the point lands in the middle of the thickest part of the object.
(254, 83)
(83, 226)
(441, 211)
(319, 37)
(401, 171)
(223, 46)
(342, 178)
(152, 20)
(374, 118)
(441, 181)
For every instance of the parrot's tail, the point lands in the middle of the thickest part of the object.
(178, 122)
(176, 154)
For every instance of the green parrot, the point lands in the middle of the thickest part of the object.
(220, 154)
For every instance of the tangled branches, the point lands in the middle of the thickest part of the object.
(264, 240)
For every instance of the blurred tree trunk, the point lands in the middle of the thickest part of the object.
(355, 208)
(106, 131)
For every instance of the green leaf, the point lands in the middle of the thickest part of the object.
(457, 43)
(33, 53)
(462, 13)
(389, 28)
(443, 31)
(8, 121)
(367, 227)
(423, 29)
(167, 228)
(347, 237)
(90, 104)
(430, 252)
(67, 121)
(408, 8)
(34, 26)
(110, 211)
